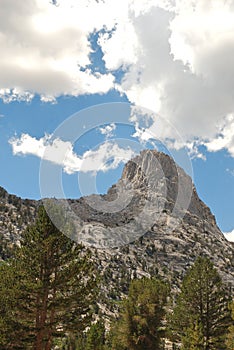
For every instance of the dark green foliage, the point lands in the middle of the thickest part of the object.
(201, 316)
(9, 295)
(5, 247)
(114, 338)
(230, 336)
(46, 289)
(91, 339)
(141, 322)
(193, 340)
(96, 337)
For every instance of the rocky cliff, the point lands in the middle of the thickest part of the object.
(151, 222)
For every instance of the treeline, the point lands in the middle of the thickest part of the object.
(49, 288)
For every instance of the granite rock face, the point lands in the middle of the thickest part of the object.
(15, 215)
(150, 222)
(152, 192)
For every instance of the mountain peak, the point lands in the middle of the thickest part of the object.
(152, 220)
(164, 177)
(153, 192)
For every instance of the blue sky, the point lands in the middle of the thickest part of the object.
(152, 58)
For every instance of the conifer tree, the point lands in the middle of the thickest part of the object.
(96, 337)
(201, 316)
(9, 294)
(141, 323)
(193, 339)
(230, 336)
(47, 288)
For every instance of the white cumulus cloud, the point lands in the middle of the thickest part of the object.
(229, 236)
(176, 58)
(225, 138)
(179, 64)
(108, 155)
(108, 130)
(45, 49)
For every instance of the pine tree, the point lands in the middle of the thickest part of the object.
(141, 323)
(230, 336)
(96, 337)
(48, 288)
(114, 339)
(9, 294)
(193, 340)
(91, 339)
(201, 316)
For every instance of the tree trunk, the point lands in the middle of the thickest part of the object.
(41, 309)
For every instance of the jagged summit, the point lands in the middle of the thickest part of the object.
(154, 165)
(151, 187)
(155, 212)
(151, 220)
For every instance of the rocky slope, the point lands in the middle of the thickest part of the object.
(15, 215)
(151, 222)
(151, 186)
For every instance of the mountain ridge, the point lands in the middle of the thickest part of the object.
(155, 205)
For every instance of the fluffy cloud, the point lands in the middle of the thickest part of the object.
(108, 130)
(45, 49)
(181, 66)
(108, 155)
(225, 139)
(176, 57)
(229, 236)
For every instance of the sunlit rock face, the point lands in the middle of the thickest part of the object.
(152, 191)
(150, 222)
